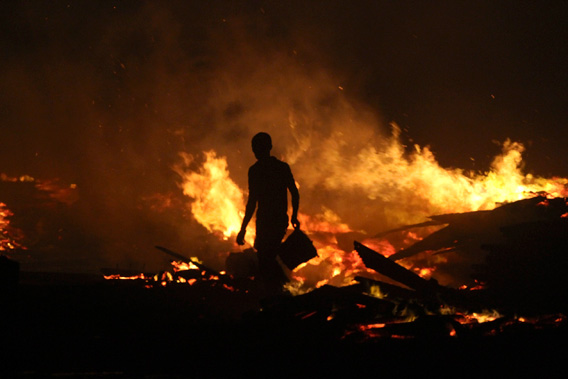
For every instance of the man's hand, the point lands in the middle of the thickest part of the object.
(241, 237)
(295, 222)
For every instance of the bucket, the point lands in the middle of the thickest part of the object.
(297, 249)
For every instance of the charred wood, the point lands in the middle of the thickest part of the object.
(208, 271)
(385, 266)
(469, 230)
(124, 272)
(441, 239)
(186, 259)
(428, 292)
(389, 291)
(242, 264)
(528, 270)
(339, 305)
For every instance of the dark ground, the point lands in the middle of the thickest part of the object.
(57, 325)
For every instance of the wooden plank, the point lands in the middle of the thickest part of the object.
(393, 270)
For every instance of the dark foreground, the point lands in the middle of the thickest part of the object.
(78, 326)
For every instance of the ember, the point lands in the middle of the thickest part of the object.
(9, 237)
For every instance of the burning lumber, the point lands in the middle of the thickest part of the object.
(386, 290)
(525, 243)
(427, 291)
(205, 271)
(186, 259)
(517, 252)
(468, 230)
(385, 266)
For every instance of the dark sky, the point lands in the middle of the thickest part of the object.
(457, 74)
(105, 94)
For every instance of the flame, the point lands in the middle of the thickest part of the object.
(479, 317)
(217, 202)
(180, 266)
(413, 186)
(326, 222)
(122, 277)
(10, 237)
(23, 178)
(387, 172)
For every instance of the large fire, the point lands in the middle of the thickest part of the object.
(218, 203)
(415, 181)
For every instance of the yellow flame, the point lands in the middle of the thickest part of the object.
(217, 202)
(481, 317)
(387, 172)
(181, 266)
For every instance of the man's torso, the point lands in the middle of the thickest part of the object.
(270, 179)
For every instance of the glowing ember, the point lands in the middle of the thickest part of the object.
(10, 237)
(481, 317)
(132, 277)
(179, 266)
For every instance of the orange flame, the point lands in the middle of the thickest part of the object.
(217, 202)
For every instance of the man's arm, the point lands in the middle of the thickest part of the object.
(295, 201)
(249, 211)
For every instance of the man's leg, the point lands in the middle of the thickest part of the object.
(268, 244)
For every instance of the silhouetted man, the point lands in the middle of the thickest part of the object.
(269, 182)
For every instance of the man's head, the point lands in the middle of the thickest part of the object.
(261, 145)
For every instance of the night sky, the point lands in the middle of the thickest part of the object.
(105, 94)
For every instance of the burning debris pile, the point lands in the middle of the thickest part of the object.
(518, 271)
(522, 273)
(470, 263)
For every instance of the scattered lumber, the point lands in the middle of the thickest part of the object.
(470, 230)
(429, 292)
(517, 251)
(389, 291)
(187, 260)
(528, 269)
(525, 245)
(393, 270)
(208, 271)
(342, 305)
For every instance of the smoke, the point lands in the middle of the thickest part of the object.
(106, 96)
